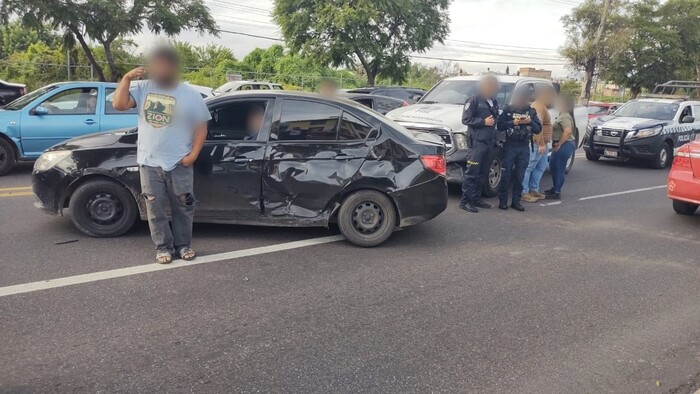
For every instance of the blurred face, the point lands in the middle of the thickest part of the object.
(327, 89)
(546, 96)
(562, 105)
(92, 103)
(162, 71)
(254, 122)
(520, 100)
(488, 87)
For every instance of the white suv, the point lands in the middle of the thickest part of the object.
(246, 85)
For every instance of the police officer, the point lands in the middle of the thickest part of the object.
(520, 122)
(480, 115)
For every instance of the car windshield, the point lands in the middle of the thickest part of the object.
(597, 110)
(457, 92)
(28, 98)
(648, 110)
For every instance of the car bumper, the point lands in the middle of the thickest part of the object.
(49, 187)
(455, 165)
(645, 149)
(683, 186)
(421, 202)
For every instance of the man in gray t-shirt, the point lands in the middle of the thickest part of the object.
(172, 127)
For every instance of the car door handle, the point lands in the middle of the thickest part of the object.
(90, 121)
(242, 160)
(344, 157)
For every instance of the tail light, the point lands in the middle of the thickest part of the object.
(435, 163)
(404, 104)
(682, 158)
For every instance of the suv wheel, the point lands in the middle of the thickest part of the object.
(592, 156)
(367, 218)
(570, 163)
(103, 208)
(493, 179)
(664, 157)
(7, 157)
(684, 208)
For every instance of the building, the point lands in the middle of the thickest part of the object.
(534, 73)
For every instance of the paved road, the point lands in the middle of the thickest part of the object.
(592, 295)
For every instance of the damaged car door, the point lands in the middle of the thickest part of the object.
(229, 168)
(314, 150)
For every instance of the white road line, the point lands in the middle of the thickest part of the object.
(550, 203)
(620, 193)
(142, 269)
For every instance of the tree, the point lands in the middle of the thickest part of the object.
(15, 37)
(647, 53)
(590, 32)
(377, 34)
(683, 16)
(105, 21)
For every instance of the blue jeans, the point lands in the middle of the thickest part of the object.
(534, 172)
(557, 164)
(515, 159)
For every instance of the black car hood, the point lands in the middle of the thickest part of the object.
(627, 123)
(98, 140)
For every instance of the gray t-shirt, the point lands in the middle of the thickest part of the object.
(167, 121)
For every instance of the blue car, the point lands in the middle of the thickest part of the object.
(55, 113)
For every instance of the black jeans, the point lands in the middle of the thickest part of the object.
(169, 190)
(477, 170)
(514, 164)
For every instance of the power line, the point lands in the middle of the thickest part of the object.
(483, 61)
(250, 35)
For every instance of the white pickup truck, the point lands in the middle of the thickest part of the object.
(440, 112)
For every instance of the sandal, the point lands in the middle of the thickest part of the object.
(164, 258)
(187, 253)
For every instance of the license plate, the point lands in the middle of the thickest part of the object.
(611, 153)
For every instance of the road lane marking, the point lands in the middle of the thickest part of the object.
(550, 203)
(621, 193)
(7, 189)
(142, 269)
(16, 194)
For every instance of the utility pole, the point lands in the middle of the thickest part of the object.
(68, 62)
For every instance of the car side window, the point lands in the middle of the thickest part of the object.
(307, 121)
(109, 104)
(276, 87)
(77, 101)
(352, 128)
(686, 111)
(246, 87)
(264, 86)
(366, 102)
(383, 105)
(238, 120)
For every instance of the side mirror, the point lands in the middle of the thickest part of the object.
(41, 111)
(688, 119)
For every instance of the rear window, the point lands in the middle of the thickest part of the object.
(352, 128)
(307, 121)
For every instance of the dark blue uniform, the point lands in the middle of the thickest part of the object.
(516, 150)
(482, 139)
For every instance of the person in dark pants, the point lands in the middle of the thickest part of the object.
(480, 115)
(520, 122)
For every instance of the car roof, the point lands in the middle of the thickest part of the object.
(501, 78)
(12, 84)
(665, 100)
(367, 95)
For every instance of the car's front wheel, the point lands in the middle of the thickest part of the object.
(367, 218)
(592, 156)
(103, 208)
(684, 208)
(664, 157)
(7, 157)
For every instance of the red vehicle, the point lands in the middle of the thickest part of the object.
(684, 179)
(596, 109)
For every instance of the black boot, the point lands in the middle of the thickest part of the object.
(553, 196)
(503, 205)
(482, 204)
(518, 207)
(469, 207)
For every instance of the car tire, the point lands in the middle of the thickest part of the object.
(8, 159)
(367, 218)
(684, 208)
(664, 157)
(495, 175)
(592, 156)
(570, 163)
(103, 208)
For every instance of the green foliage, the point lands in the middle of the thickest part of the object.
(571, 87)
(646, 52)
(14, 37)
(683, 17)
(35, 66)
(377, 35)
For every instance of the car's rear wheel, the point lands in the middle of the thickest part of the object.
(684, 208)
(367, 218)
(664, 157)
(570, 163)
(592, 156)
(103, 208)
(493, 179)
(7, 157)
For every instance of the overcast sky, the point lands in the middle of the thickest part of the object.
(520, 32)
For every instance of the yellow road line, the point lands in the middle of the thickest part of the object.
(16, 194)
(7, 189)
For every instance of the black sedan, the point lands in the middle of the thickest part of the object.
(381, 104)
(311, 162)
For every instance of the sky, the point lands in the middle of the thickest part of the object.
(521, 33)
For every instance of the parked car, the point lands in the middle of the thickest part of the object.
(314, 161)
(234, 86)
(409, 95)
(381, 104)
(647, 129)
(596, 110)
(684, 179)
(55, 113)
(205, 91)
(11, 91)
(440, 111)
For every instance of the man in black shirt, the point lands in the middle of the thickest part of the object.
(480, 115)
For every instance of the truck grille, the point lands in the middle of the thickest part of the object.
(610, 136)
(444, 134)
